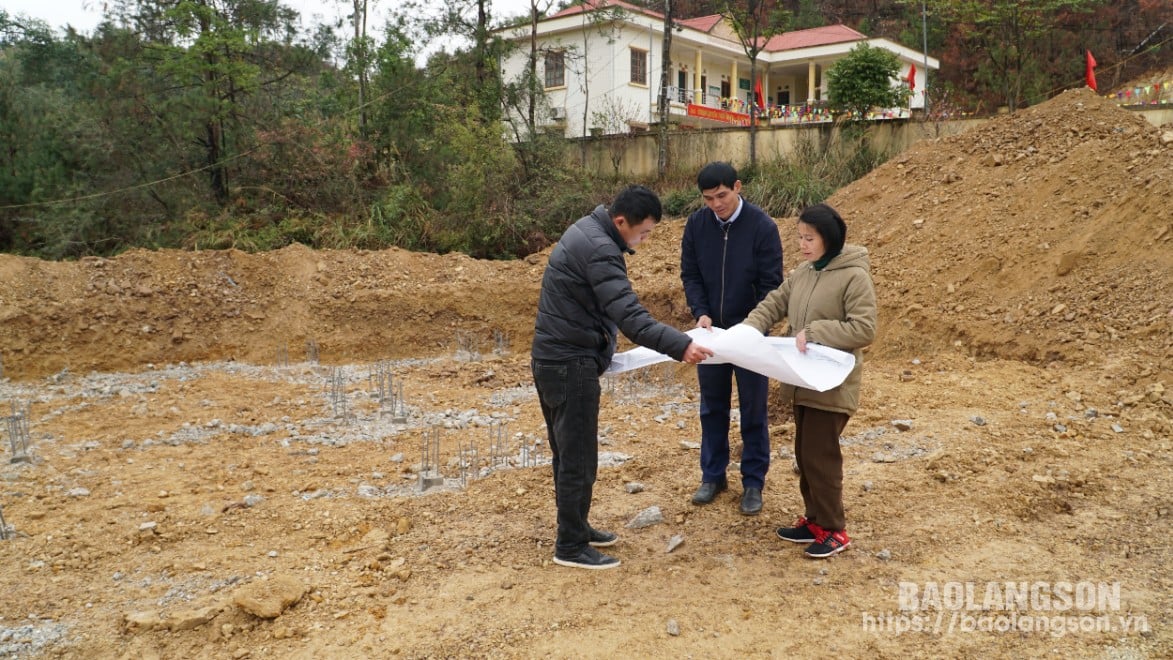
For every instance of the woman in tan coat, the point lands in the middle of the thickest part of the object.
(828, 300)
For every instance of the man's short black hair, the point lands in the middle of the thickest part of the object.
(636, 204)
(715, 175)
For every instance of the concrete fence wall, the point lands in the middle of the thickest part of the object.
(635, 156)
(1158, 116)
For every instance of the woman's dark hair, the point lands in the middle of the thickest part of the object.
(830, 226)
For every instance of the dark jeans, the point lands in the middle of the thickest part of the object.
(569, 394)
(820, 465)
(716, 385)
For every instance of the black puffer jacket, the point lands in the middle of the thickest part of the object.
(587, 296)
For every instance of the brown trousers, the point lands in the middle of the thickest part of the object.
(820, 465)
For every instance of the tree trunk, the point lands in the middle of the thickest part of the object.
(753, 112)
(666, 62)
(217, 174)
(531, 120)
(360, 53)
(481, 45)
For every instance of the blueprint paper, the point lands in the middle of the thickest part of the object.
(820, 368)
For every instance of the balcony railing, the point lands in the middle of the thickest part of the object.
(777, 115)
(801, 113)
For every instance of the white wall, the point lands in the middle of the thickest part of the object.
(606, 57)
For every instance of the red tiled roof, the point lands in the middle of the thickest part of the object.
(820, 36)
(591, 5)
(702, 23)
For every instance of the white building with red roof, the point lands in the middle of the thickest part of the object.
(600, 66)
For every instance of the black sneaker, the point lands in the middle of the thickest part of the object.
(589, 558)
(827, 543)
(800, 533)
(601, 539)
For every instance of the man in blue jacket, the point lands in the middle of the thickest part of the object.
(586, 298)
(730, 258)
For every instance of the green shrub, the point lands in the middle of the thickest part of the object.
(402, 218)
(811, 174)
(681, 202)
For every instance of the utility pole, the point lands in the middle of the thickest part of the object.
(665, 64)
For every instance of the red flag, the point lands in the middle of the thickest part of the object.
(759, 98)
(1091, 71)
(912, 78)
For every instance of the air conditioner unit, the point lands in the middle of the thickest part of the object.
(558, 114)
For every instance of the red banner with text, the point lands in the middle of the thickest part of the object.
(716, 114)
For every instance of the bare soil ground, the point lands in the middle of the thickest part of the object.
(198, 486)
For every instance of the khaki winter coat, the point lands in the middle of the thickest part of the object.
(837, 308)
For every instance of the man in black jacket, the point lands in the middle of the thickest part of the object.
(730, 258)
(586, 298)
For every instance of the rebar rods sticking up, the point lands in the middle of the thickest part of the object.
(339, 400)
(17, 425)
(388, 392)
(430, 475)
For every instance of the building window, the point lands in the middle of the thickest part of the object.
(555, 69)
(639, 66)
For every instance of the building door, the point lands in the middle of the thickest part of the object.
(682, 87)
(726, 89)
(784, 97)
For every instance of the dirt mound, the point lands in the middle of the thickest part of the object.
(170, 306)
(1041, 235)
